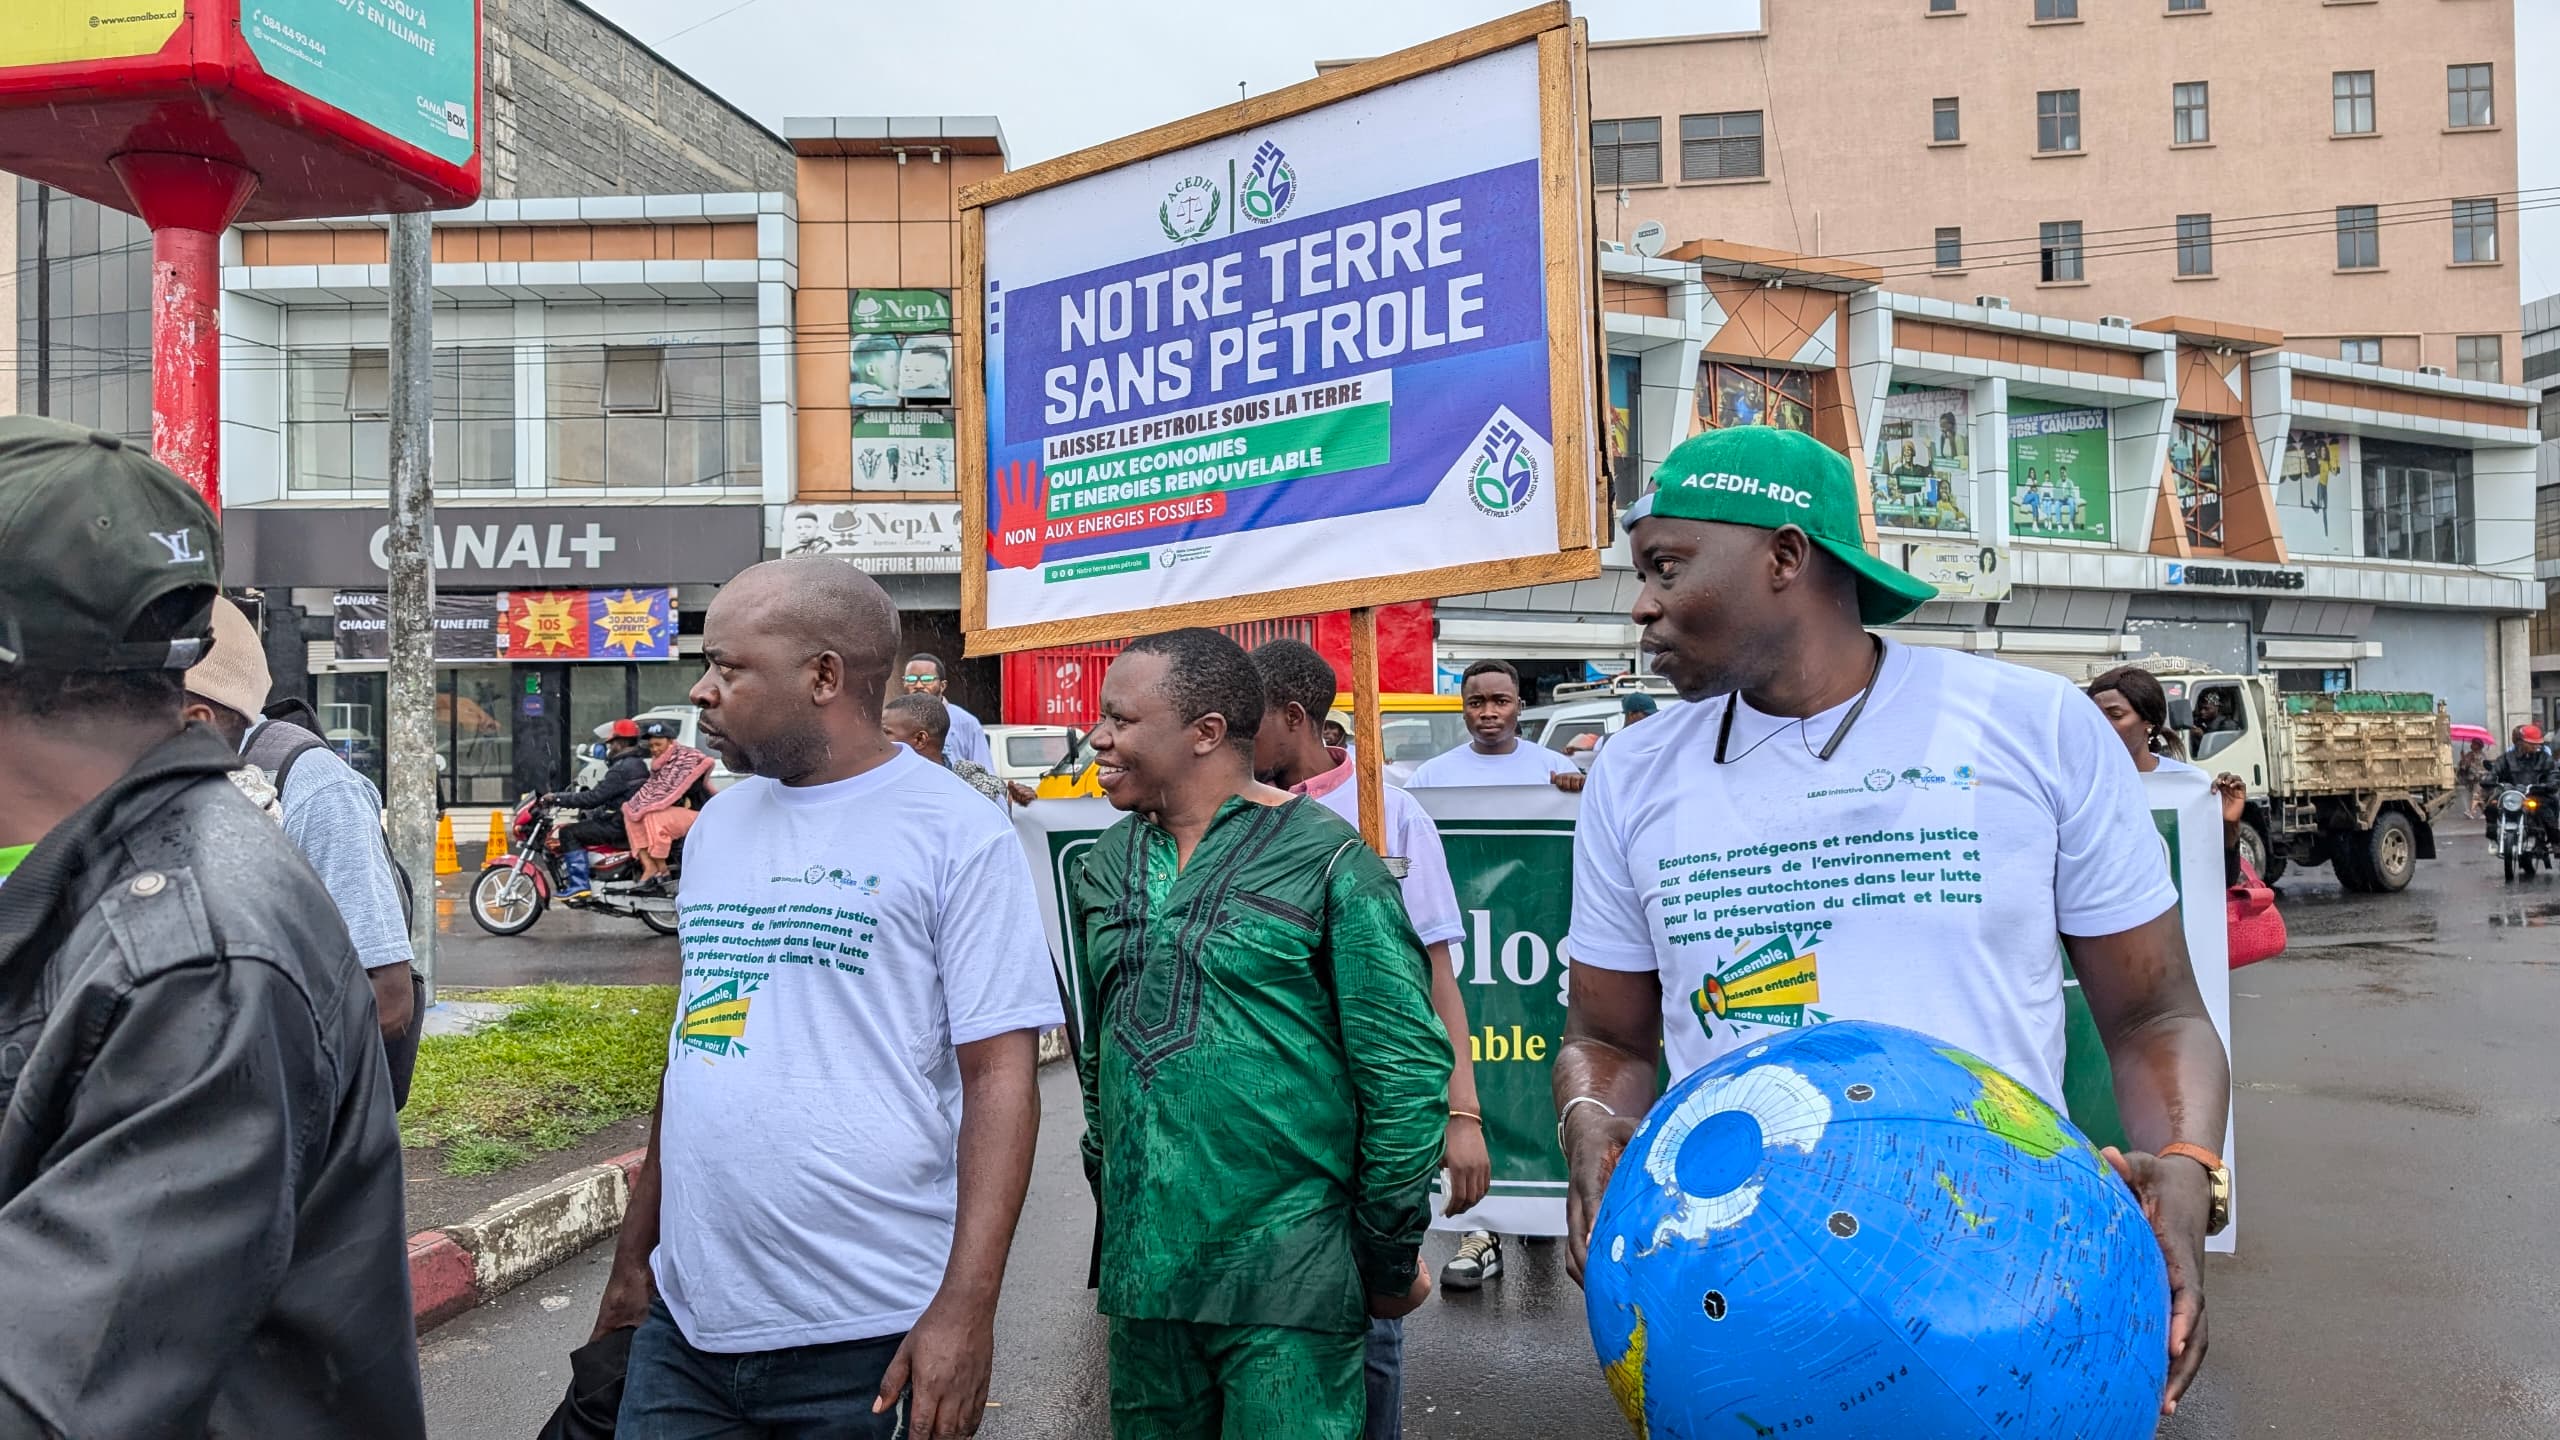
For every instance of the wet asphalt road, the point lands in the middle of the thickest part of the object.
(2397, 1273)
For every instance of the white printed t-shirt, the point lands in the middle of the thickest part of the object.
(839, 940)
(1919, 877)
(1527, 764)
(1430, 897)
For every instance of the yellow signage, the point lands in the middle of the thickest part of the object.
(51, 32)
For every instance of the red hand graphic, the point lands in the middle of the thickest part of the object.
(1022, 516)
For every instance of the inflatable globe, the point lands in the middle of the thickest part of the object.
(1858, 1231)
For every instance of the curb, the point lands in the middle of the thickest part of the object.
(460, 1266)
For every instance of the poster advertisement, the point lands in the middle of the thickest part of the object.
(1922, 470)
(629, 624)
(2058, 467)
(54, 32)
(2195, 471)
(409, 69)
(872, 533)
(2313, 495)
(904, 449)
(1511, 857)
(1730, 395)
(900, 312)
(1626, 403)
(901, 369)
(1286, 357)
(466, 626)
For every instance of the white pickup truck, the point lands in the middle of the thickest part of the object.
(2353, 778)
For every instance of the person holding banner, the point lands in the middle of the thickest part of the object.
(1265, 1085)
(1839, 826)
(1289, 752)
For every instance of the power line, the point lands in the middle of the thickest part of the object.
(698, 24)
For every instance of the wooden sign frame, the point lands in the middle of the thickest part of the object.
(1572, 297)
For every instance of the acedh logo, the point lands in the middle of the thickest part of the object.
(1505, 473)
(1270, 187)
(1190, 210)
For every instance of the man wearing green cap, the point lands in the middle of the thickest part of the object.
(1839, 826)
(199, 1168)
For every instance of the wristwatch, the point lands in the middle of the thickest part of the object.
(2219, 1218)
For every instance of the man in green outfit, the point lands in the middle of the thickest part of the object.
(1265, 1085)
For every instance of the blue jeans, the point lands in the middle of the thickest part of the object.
(813, 1392)
(1386, 1380)
(579, 868)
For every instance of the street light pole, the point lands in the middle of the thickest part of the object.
(411, 772)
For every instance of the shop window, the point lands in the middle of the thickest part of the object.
(2057, 121)
(338, 428)
(1720, 147)
(2475, 231)
(2417, 503)
(2351, 102)
(2315, 679)
(2467, 98)
(2190, 114)
(2359, 237)
(2479, 357)
(2058, 251)
(653, 419)
(1626, 152)
(1946, 120)
(2195, 460)
(2360, 350)
(2195, 244)
(1730, 395)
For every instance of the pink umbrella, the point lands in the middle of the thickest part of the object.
(2465, 734)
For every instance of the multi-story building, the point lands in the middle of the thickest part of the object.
(2343, 171)
(2542, 376)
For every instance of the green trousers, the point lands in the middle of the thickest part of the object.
(1174, 1380)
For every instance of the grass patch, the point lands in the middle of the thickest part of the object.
(566, 1062)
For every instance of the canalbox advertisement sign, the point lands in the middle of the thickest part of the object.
(1288, 357)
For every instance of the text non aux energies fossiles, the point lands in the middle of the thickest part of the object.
(1397, 305)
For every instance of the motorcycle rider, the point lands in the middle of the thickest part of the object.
(599, 809)
(2528, 767)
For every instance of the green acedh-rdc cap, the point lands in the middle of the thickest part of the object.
(1767, 478)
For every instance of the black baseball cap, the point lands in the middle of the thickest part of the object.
(94, 536)
(657, 729)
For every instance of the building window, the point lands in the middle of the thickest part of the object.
(2057, 120)
(1730, 395)
(1626, 152)
(654, 418)
(1950, 247)
(1942, 7)
(2190, 119)
(2351, 102)
(2057, 9)
(2195, 244)
(1720, 147)
(2479, 357)
(2359, 237)
(2475, 231)
(338, 427)
(2058, 244)
(2417, 502)
(2360, 350)
(2466, 97)
(2186, 4)
(2195, 463)
(1946, 122)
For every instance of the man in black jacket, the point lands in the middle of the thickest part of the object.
(200, 1193)
(2528, 767)
(600, 808)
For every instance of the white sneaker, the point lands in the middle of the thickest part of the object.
(1479, 1259)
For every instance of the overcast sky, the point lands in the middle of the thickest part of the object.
(1061, 79)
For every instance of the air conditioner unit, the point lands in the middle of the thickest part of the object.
(2116, 322)
(2431, 370)
(1992, 302)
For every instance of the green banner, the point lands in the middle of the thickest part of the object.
(1352, 438)
(2058, 469)
(409, 68)
(901, 312)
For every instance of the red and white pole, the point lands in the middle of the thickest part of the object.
(188, 201)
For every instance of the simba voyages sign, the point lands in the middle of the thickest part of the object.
(1289, 356)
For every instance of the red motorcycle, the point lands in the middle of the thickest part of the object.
(512, 893)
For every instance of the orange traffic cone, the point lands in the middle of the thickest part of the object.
(447, 862)
(497, 838)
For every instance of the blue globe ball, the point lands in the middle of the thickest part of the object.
(1859, 1231)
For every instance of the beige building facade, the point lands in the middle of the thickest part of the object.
(2340, 171)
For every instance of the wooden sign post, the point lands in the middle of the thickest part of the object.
(1328, 348)
(1369, 732)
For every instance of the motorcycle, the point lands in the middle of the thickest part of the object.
(2523, 838)
(512, 893)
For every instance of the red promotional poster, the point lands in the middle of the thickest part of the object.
(628, 624)
(545, 625)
